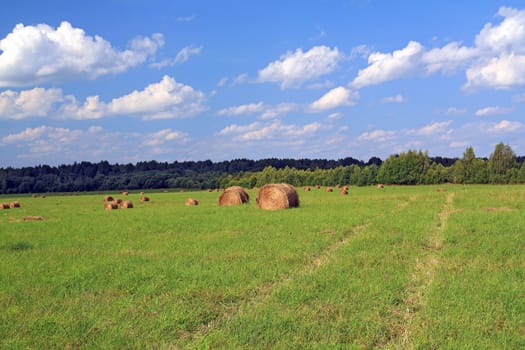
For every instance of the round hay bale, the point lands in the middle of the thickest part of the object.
(108, 199)
(345, 187)
(343, 192)
(141, 193)
(144, 199)
(34, 196)
(14, 204)
(4, 206)
(277, 196)
(126, 205)
(191, 201)
(329, 189)
(43, 196)
(234, 195)
(117, 201)
(307, 189)
(317, 187)
(125, 193)
(110, 206)
(441, 190)
(380, 186)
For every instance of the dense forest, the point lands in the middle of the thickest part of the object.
(408, 168)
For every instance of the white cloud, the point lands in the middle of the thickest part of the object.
(376, 136)
(495, 110)
(37, 102)
(272, 130)
(388, 66)
(278, 110)
(334, 116)
(506, 126)
(295, 68)
(166, 99)
(509, 35)
(28, 134)
(501, 72)
(242, 109)
(37, 54)
(393, 99)
(431, 129)
(455, 111)
(448, 58)
(182, 56)
(163, 100)
(334, 98)
(161, 137)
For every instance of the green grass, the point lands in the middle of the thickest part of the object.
(402, 267)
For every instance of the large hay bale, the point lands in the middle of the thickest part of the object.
(117, 201)
(234, 195)
(14, 204)
(277, 196)
(110, 206)
(124, 193)
(380, 186)
(126, 205)
(144, 199)
(4, 206)
(307, 188)
(343, 192)
(191, 201)
(329, 189)
(108, 199)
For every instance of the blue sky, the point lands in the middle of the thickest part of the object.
(127, 81)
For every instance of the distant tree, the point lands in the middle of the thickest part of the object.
(501, 161)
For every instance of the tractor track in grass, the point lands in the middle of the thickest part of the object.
(422, 278)
(263, 292)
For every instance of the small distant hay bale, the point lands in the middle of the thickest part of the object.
(343, 192)
(329, 189)
(144, 199)
(34, 196)
(337, 186)
(4, 206)
(110, 206)
(126, 205)
(317, 186)
(124, 193)
(14, 204)
(345, 187)
(108, 198)
(43, 196)
(235, 195)
(441, 190)
(277, 196)
(117, 201)
(33, 218)
(208, 190)
(191, 201)
(380, 186)
(216, 190)
(307, 189)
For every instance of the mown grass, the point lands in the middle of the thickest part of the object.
(339, 271)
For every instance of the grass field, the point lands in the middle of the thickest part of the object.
(397, 268)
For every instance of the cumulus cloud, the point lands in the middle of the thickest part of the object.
(388, 66)
(35, 102)
(431, 129)
(494, 110)
(448, 58)
(36, 54)
(334, 98)
(393, 99)
(272, 130)
(295, 68)
(376, 136)
(503, 72)
(161, 137)
(506, 126)
(242, 109)
(162, 100)
(279, 110)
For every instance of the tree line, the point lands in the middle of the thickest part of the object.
(407, 168)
